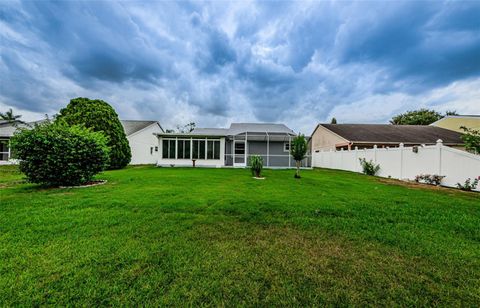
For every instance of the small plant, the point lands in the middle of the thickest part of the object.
(432, 179)
(369, 167)
(256, 165)
(469, 185)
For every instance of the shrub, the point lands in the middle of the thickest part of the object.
(100, 117)
(298, 151)
(432, 179)
(471, 138)
(469, 185)
(55, 154)
(369, 167)
(256, 165)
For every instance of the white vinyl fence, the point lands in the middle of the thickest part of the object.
(407, 162)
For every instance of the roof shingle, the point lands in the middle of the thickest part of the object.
(378, 133)
(133, 126)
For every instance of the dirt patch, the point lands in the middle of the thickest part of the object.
(415, 185)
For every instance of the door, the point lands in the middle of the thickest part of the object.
(239, 153)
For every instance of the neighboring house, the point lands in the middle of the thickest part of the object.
(143, 142)
(219, 147)
(455, 122)
(349, 136)
(7, 129)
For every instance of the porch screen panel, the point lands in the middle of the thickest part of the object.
(216, 150)
(209, 149)
(201, 149)
(195, 145)
(165, 148)
(171, 149)
(186, 149)
(180, 149)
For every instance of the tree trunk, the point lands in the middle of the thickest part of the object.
(297, 173)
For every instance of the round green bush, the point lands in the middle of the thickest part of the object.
(56, 154)
(100, 117)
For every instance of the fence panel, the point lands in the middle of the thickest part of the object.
(407, 162)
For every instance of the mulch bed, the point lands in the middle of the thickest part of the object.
(88, 184)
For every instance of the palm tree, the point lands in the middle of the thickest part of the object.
(10, 117)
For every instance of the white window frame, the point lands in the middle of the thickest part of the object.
(216, 143)
(167, 149)
(7, 142)
(285, 144)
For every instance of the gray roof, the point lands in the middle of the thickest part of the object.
(133, 126)
(388, 133)
(7, 128)
(210, 131)
(236, 129)
(239, 128)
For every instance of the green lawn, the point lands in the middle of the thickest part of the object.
(172, 236)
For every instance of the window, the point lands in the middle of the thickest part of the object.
(286, 146)
(216, 150)
(201, 151)
(213, 149)
(209, 149)
(168, 148)
(198, 150)
(156, 149)
(151, 150)
(183, 149)
(4, 150)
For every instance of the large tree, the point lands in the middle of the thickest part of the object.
(100, 117)
(416, 117)
(298, 151)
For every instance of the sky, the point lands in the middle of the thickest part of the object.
(213, 63)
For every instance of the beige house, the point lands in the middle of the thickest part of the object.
(455, 122)
(348, 136)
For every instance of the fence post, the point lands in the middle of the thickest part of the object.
(401, 160)
(341, 158)
(356, 160)
(439, 156)
(375, 153)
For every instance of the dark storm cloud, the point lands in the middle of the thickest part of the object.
(244, 60)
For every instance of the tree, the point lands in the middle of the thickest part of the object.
(10, 117)
(334, 121)
(100, 117)
(471, 138)
(183, 129)
(298, 151)
(416, 117)
(187, 128)
(57, 154)
(451, 113)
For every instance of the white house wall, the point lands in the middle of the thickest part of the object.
(140, 144)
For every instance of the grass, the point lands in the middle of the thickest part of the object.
(172, 236)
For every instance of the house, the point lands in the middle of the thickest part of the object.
(454, 122)
(349, 136)
(7, 129)
(143, 142)
(220, 147)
